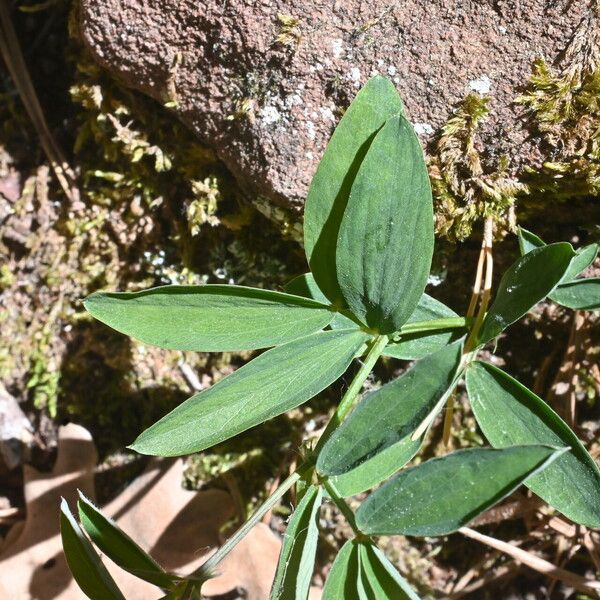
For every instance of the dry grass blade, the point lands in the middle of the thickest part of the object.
(13, 58)
(582, 584)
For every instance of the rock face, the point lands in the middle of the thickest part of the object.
(263, 82)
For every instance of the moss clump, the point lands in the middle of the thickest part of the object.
(465, 190)
(564, 107)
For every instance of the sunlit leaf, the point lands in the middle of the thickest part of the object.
(443, 494)
(306, 286)
(297, 558)
(580, 294)
(528, 281)
(413, 346)
(119, 547)
(375, 440)
(374, 104)
(84, 563)
(343, 578)
(277, 381)
(385, 242)
(379, 576)
(508, 413)
(209, 318)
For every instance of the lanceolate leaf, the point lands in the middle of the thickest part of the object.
(580, 294)
(528, 241)
(119, 547)
(85, 565)
(374, 104)
(583, 258)
(385, 242)
(343, 578)
(209, 318)
(528, 281)
(443, 494)
(380, 577)
(375, 440)
(273, 383)
(413, 346)
(508, 413)
(297, 558)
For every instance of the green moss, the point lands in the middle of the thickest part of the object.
(465, 191)
(564, 108)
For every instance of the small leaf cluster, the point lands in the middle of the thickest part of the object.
(369, 233)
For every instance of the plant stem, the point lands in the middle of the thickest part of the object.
(208, 568)
(434, 325)
(342, 505)
(349, 398)
(485, 257)
(487, 287)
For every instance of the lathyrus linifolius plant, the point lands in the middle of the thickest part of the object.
(369, 243)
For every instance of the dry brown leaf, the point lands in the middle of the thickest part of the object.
(178, 527)
(32, 564)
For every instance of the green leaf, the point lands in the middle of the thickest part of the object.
(85, 565)
(528, 281)
(375, 440)
(119, 547)
(529, 241)
(583, 258)
(413, 346)
(508, 413)
(297, 558)
(343, 578)
(443, 494)
(209, 318)
(306, 286)
(273, 383)
(385, 241)
(580, 294)
(374, 104)
(381, 577)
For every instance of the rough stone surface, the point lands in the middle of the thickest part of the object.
(217, 56)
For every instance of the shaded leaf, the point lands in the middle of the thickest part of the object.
(580, 294)
(385, 241)
(85, 565)
(297, 558)
(381, 577)
(119, 547)
(373, 105)
(528, 241)
(343, 577)
(528, 281)
(273, 383)
(508, 413)
(209, 318)
(413, 346)
(583, 258)
(375, 440)
(443, 494)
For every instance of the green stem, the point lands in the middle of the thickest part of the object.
(351, 394)
(208, 568)
(435, 324)
(342, 505)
